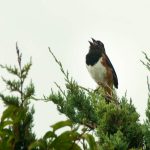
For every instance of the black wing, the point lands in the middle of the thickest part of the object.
(115, 79)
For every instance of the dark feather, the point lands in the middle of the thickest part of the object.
(115, 79)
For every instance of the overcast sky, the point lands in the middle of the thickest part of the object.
(66, 26)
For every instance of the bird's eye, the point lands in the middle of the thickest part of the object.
(98, 43)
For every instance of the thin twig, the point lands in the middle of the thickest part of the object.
(19, 55)
(148, 84)
(63, 92)
(147, 64)
(81, 87)
(79, 137)
(39, 99)
(66, 74)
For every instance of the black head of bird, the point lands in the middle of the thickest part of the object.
(96, 46)
(96, 50)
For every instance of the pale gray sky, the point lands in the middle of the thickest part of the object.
(66, 26)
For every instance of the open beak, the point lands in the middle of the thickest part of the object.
(93, 40)
(90, 42)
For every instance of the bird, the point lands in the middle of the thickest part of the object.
(100, 67)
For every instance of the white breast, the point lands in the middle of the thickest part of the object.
(97, 71)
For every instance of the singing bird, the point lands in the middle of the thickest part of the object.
(100, 67)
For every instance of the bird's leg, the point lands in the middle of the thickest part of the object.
(100, 84)
(110, 95)
(107, 89)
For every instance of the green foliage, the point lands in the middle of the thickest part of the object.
(116, 124)
(67, 140)
(146, 126)
(77, 103)
(17, 118)
(116, 141)
(93, 123)
(123, 119)
(109, 118)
